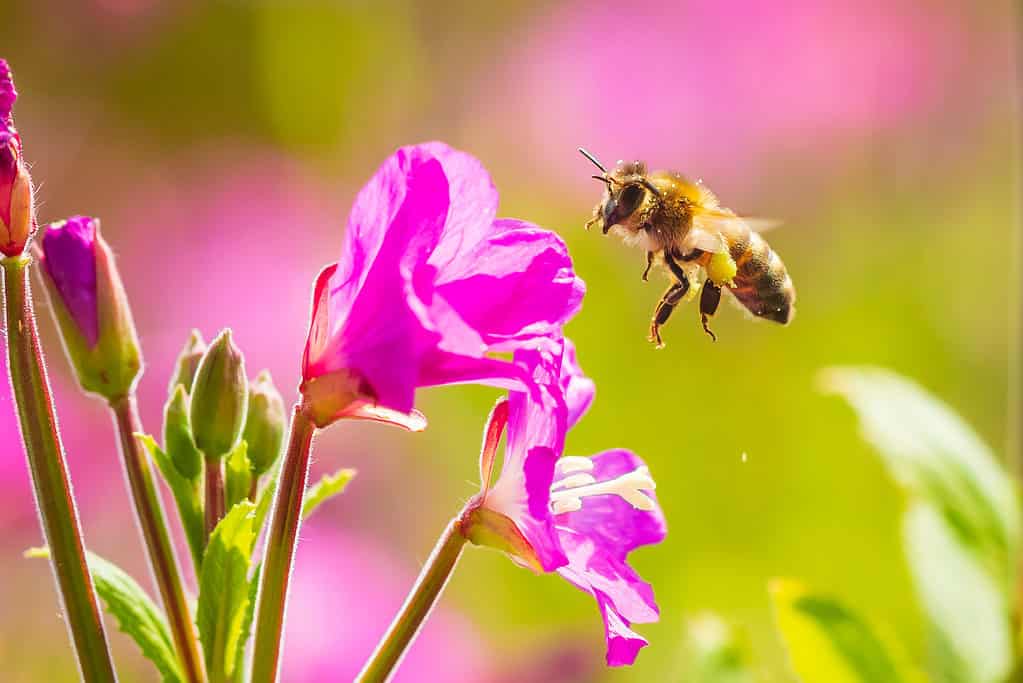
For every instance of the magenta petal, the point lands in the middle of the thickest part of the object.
(579, 389)
(623, 644)
(610, 521)
(70, 260)
(8, 173)
(7, 94)
(473, 205)
(515, 285)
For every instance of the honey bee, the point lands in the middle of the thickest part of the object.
(684, 228)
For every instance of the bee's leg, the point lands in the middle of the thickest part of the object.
(693, 255)
(649, 262)
(665, 308)
(709, 300)
(675, 268)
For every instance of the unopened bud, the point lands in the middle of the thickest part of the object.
(17, 220)
(90, 306)
(177, 436)
(188, 362)
(264, 426)
(219, 398)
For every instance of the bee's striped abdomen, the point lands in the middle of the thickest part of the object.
(762, 284)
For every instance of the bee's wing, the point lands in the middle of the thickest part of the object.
(713, 220)
(700, 238)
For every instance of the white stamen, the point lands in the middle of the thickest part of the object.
(574, 463)
(567, 495)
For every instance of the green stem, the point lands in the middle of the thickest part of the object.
(214, 501)
(45, 453)
(280, 550)
(153, 524)
(406, 625)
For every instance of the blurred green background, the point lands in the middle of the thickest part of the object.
(221, 144)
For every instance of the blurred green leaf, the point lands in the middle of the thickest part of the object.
(137, 615)
(186, 498)
(829, 643)
(325, 489)
(238, 474)
(967, 608)
(177, 436)
(937, 457)
(715, 653)
(224, 591)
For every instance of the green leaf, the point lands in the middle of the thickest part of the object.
(325, 489)
(136, 614)
(715, 653)
(224, 591)
(264, 501)
(932, 453)
(239, 474)
(250, 611)
(829, 643)
(186, 498)
(968, 612)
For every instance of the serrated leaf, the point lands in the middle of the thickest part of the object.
(932, 453)
(715, 653)
(238, 474)
(224, 591)
(965, 605)
(829, 643)
(186, 499)
(136, 614)
(326, 488)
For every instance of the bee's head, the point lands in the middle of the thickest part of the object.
(626, 196)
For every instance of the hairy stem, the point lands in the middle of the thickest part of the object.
(280, 550)
(153, 524)
(45, 453)
(406, 625)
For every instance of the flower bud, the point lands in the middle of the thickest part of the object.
(264, 426)
(219, 398)
(90, 306)
(188, 362)
(177, 436)
(17, 219)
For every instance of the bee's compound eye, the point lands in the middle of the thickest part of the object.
(630, 199)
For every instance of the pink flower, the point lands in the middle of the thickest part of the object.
(429, 285)
(578, 516)
(69, 249)
(16, 210)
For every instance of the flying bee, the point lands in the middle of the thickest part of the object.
(684, 228)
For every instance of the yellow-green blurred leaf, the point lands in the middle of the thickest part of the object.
(967, 609)
(829, 643)
(937, 457)
(715, 653)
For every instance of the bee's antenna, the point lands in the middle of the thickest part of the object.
(602, 178)
(593, 159)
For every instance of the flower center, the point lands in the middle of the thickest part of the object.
(577, 483)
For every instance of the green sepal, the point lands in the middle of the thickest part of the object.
(485, 527)
(224, 591)
(326, 488)
(186, 499)
(177, 436)
(136, 614)
(238, 474)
